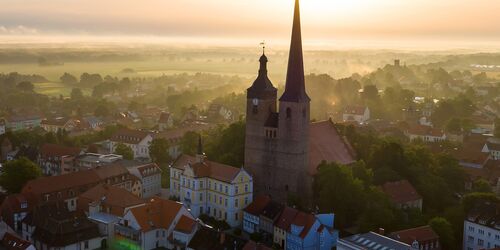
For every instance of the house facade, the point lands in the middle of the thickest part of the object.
(138, 141)
(211, 188)
(359, 114)
(403, 194)
(425, 133)
(150, 177)
(57, 159)
(58, 124)
(150, 226)
(23, 122)
(482, 228)
(422, 237)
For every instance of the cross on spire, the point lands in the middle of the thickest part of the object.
(263, 45)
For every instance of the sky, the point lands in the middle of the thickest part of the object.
(250, 21)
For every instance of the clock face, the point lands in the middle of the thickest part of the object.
(255, 101)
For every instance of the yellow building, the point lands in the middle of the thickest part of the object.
(211, 188)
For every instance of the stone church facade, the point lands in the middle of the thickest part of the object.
(281, 147)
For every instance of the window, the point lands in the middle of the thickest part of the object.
(157, 233)
(246, 201)
(236, 202)
(225, 215)
(220, 200)
(201, 197)
(226, 189)
(480, 242)
(236, 190)
(246, 188)
(288, 113)
(24, 205)
(235, 216)
(86, 244)
(225, 202)
(220, 187)
(201, 184)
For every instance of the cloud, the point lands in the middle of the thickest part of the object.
(18, 30)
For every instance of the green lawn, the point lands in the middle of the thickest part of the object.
(55, 89)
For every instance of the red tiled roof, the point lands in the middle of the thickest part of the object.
(149, 169)
(304, 220)
(286, 218)
(13, 242)
(259, 203)
(158, 213)
(179, 133)
(185, 225)
(326, 144)
(164, 117)
(208, 168)
(355, 110)
(129, 136)
(419, 234)
(112, 196)
(400, 191)
(423, 130)
(61, 121)
(252, 245)
(54, 150)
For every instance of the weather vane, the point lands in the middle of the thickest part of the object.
(263, 44)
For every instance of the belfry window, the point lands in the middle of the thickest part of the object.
(255, 109)
(288, 113)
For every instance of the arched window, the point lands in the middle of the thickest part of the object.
(288, 112)
(304, 112)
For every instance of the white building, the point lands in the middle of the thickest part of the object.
(358, 114)
(150, 176)
(211, 188)
(425, 133)
(482, 228)
(149, 226)
(138, 141)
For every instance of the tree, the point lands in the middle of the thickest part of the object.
(454, 126)
(16, 173)
(370, 92)
(76, 94)
(125, 151)
(69, 79)
(444, 229)
(189, 143)
(481, 186)
(159, 151)
(101, 110)
(26, 86)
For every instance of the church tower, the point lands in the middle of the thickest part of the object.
(277, 143)
(261, 105)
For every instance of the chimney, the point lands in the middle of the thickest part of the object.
(381, 231)
(222, 238)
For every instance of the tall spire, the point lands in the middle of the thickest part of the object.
(262, 86)
(295, 90)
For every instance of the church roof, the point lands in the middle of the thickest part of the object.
(295, 90)
(326, 144)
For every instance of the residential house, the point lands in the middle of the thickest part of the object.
(308, 231)
(58, 124)
(138, 141)
(150, 177)
(184, 232)
(90, 160)
(489, 171)
(23, 122)
(425, 133)
(93, 122)
(165, 122)
(13, 242)
(207, 238)
(211, 188)
(67, 188)
(105, 205)
(402, 194)
(282, 225)
(371, 241)
(359, 114)
(150, 226)
(14, 209)
(52, 226)
(57, 159)
(482, 227)
(419, 238)
(268, 217)
(492, 147)
(251, 214)
(483, 124)
(175, 136)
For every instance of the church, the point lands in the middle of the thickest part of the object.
(282, 147)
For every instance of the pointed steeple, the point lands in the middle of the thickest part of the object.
(262, 87)
(295, 90)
